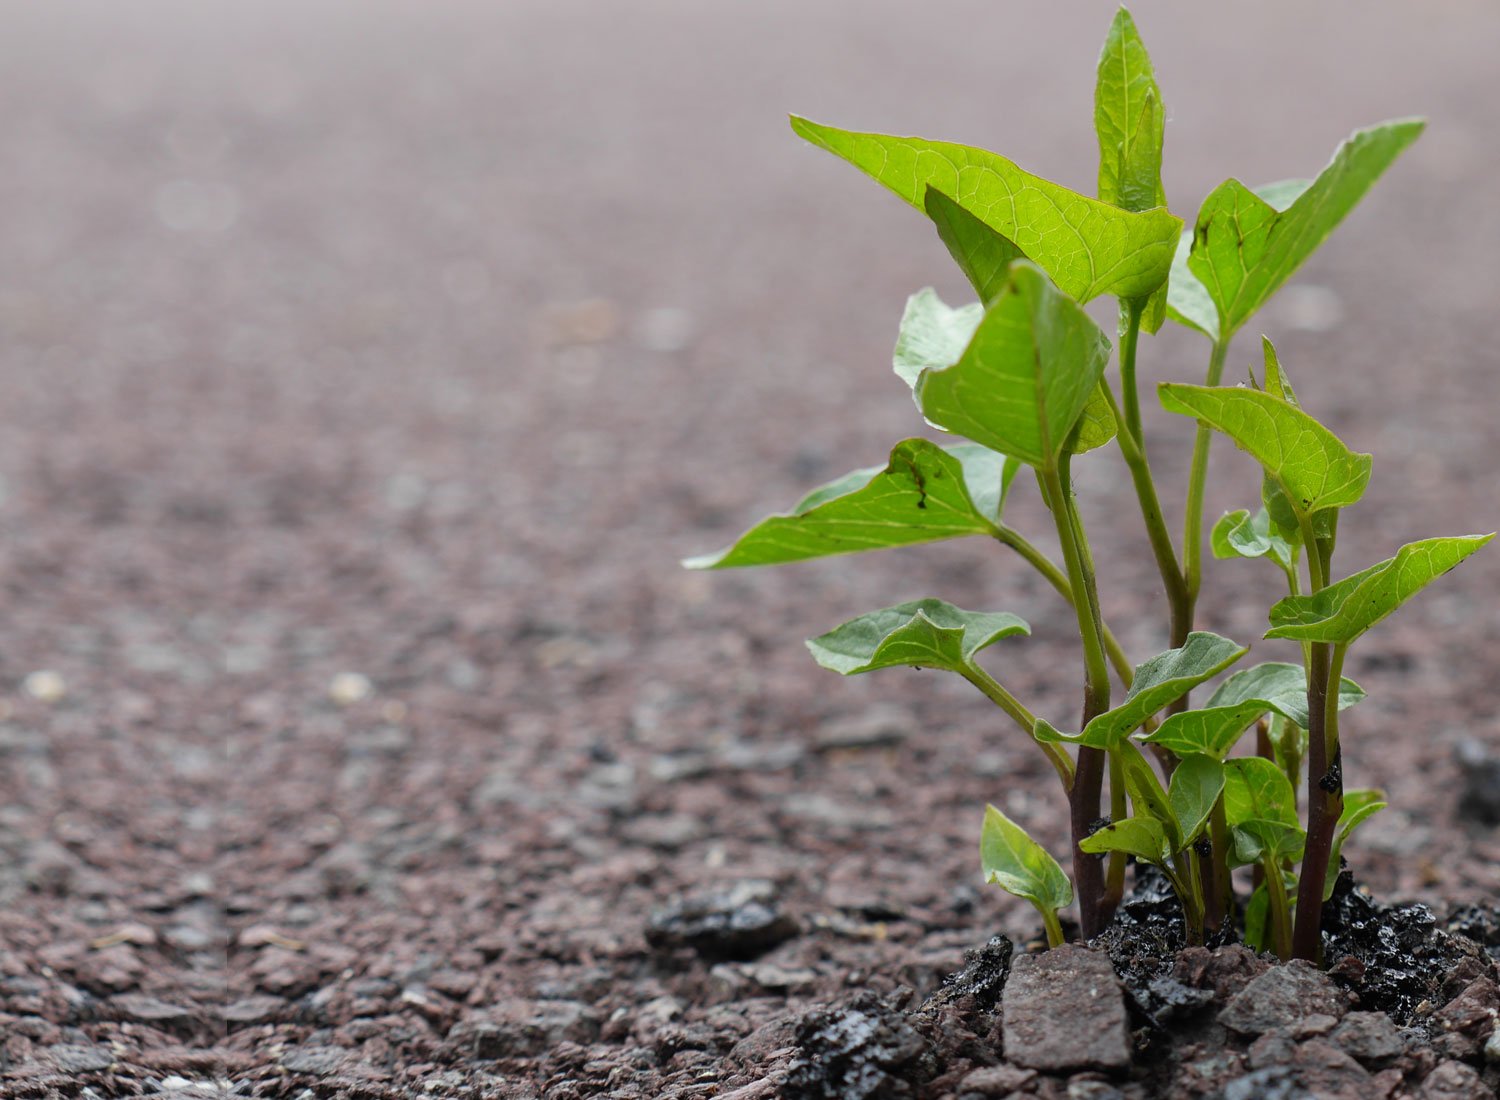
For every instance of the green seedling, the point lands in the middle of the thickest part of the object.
(1023, 377)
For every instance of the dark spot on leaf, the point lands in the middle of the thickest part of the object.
(1203, 846)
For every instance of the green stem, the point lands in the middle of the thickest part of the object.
(1022, 717)
(1130, 338)
(1088, 781)
(1114, 879)
(1053, 926)
(1220, 899)
(1192, 530)
(1133, 449)
(1278, 908)
(1325, 796)
(1059, 580)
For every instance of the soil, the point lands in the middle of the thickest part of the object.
(368, 368)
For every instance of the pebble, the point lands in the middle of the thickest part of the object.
(1284, 996)
(524, 1029)
(1064, 1011)
(348, 688)
(45, 685)
(738, 923)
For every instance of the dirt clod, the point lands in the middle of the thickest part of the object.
(1064, 1011)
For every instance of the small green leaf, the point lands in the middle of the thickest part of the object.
(1242, 535)
(1306, 459)
(1130, 122)
(1021, 866)
(1211, 731)
(1032, 367)
(1142, 837)
(1196, 784)
(1346, 609)
(1255, 840)
(1280, 687)
(1257, 920)
(933, 334)
(1359, 807)
(1096, 424)
(980, 252)
(1277, 383)
(1244, 248)
(1149, 799)
(1161, 680)
(923, 633)
(922, 495)
(1188, 302)
(1088, 247)
(1256, 789)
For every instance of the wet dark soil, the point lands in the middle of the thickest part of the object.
(365, 370)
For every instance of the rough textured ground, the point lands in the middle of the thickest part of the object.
(417, 342)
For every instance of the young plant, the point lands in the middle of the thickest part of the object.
(1022, 376)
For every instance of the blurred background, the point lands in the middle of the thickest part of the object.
(365, 368)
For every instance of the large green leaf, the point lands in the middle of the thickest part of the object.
(980, 252)
(1280, 687)
(1130, 122)
(1196, 784)
(1142, 837)
(1255, 788)
(1031, 368)
(1359, 806)
(1161, 680)
(1346, 609)
(925, 493)
(1244, 248)
(1306, 459)
(923, 633)
(1019, 865)
(1087, 246)
(1211, 731)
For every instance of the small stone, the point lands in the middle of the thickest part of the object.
(1492, 1048)
(314, 1061)
(524, 1029)
(736, 924)
(1370, 1038)
(45, 685)
(261, 1009)
(1064, 1011)
(994, 1081)
(75, 1058)
(1469, 1019)
(877, 728)
(858, 1049)
(1283, 996)
(1454, 1081)
(348, 688)
(140, 1009)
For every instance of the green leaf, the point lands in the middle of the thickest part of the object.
(1096, 424)
(1306, 459)
(1359, 807)
(1026, 376)
(923, 633)
(1161, 680)
(933, 334)
(1148, 798)
(1256, 789)
(922, 495)
(980, 252)
(1196, 784)
(1142, 837)
(1277, 383)
(1128, 120)
(1244, 248)
(1188, 302)
(1255, 840)
(1088, 247)
(1211, 731)
(1280, 687)
(1258, 920)
(1021, 866)
(1242, 535)
(1346, 609)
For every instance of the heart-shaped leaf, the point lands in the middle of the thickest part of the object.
(1359, 807)
(923, 633)
(1161, 680)
(1244, 248)
(1243, 535)
(980, 252)
(1256, 840)
(1255, 788)
(1346, 609)
(1280, 687)
(922, 495)
(1027, 374)
(1142, 837)
(1019, 865)
(1196, 784)
(1088, 247)
(1307, 460)
(1211, 731)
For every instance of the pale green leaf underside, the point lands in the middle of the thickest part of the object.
(921, 495)
(981, 253)
(1308, 461)
(922, 633)
(1161, 680)
(1244, 248)
(1019, 865)
(1088, 247)
(1346, 609)
(1243, 535)
(1281, 687)
(933, 334)
(1027, 374)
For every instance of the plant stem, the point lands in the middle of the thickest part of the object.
(1133, 449)
(1088, 779)
(1022, 718)
(1192, 530)
(1325, 795)
(1114, 879)
(1130, 338)
(1053, 927)
(1059, 580)
(1219, 902)
(1278, 912)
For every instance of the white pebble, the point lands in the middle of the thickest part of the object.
(348, 688)
(46, 685)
